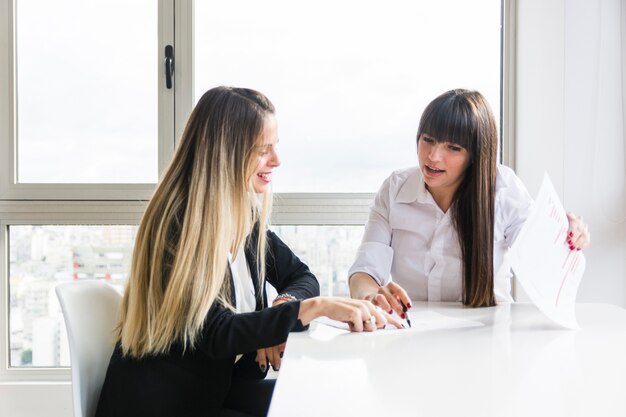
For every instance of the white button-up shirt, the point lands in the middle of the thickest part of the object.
(242, 279)
(409, 239)
(244, 287)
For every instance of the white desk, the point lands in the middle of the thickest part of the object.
(515, 363)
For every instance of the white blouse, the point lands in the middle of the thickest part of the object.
(244, 287)
(409, 239)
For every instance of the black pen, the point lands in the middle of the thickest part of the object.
(406, 313)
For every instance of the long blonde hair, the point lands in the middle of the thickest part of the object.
(203, 208)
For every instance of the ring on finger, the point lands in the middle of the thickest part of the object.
(371, 320)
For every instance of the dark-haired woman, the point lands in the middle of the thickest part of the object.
(439, 231)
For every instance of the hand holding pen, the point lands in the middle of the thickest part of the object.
(406, 313)
(392, 297)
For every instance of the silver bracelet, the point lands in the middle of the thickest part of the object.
(285, 296)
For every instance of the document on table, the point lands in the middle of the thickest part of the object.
(545, 266)
(420, 321)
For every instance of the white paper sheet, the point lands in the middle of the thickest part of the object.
(420, 321)
(545, 266)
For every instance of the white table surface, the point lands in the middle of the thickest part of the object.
(514, 362)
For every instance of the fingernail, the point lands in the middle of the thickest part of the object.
(390, 311)
(403, 316)
(570, 234)
(274, 368)
(281, 355)
(569, 241)
(578, 248)
(409, 305)
(571, 247)
(262, 368)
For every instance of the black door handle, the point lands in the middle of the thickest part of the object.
(169, 66)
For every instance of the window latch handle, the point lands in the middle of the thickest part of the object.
(169, 66)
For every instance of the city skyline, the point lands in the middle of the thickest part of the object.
(41, 256)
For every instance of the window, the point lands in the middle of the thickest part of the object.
(349, 79)
(85, 115)
(87, 108)
(41, 256)
(87, 124)
(328, 251)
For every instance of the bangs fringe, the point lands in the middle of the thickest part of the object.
(451, 119)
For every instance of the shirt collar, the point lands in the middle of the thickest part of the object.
(414, 189)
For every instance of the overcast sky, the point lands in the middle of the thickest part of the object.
(349, 80)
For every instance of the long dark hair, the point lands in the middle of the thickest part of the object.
(464, 117)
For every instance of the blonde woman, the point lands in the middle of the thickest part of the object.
(195, 336)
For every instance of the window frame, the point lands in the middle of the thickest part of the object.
(91, 204)
(169, 120)
(47, 213)
(88, 204)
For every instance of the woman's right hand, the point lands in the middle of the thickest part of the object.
(360, 315)
(389, 297)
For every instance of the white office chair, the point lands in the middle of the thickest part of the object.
(91, 312)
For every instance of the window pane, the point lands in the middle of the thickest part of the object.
(328, 251)
(87, 91)
(349, 79)
(41, 257)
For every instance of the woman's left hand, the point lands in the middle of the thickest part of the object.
(271, 355)
(578, 236)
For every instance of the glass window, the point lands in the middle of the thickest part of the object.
(87, 91)
(329, 252)
(349, 79)
(41, 256)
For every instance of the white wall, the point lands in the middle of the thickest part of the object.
(569, 122)
(36, 400)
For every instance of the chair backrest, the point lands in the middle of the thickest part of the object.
(91, 311)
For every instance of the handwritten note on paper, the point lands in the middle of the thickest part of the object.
(545, 266)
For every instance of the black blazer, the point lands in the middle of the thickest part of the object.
(195, 383)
